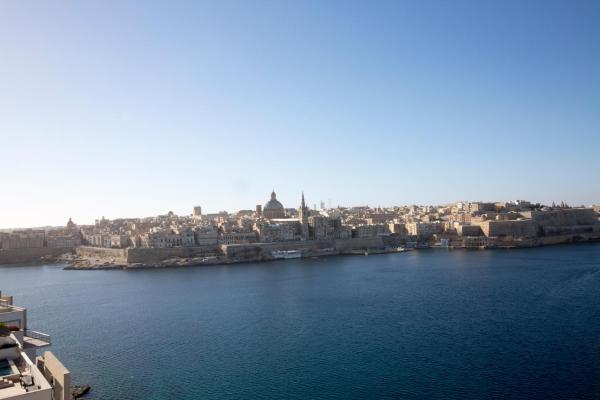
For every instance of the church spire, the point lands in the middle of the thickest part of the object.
(303, 216)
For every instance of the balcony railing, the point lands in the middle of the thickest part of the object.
(5, 306)
(37, 339)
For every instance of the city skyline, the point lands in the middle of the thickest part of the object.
(121, 110)
(321, 204)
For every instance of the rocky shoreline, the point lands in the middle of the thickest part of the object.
(79, 391)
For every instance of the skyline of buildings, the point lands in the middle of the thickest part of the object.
(321, 204)
(274, 222)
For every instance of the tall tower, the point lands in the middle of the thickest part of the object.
(303, 216)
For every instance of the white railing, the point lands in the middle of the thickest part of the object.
(7, 304)
(38, 335)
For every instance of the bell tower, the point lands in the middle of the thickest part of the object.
(303, 216)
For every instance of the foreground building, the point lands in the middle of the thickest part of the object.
(23, 374)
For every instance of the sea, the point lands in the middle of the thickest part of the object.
(425, 324)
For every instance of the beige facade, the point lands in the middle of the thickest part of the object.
(518, 228)
(24, 239)
(29, 377)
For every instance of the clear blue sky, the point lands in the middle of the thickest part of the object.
(122, 108)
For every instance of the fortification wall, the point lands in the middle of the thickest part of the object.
(118, 255)
(262, 251)
(565, 217)
(522, 228)
(16, 256)
(358, 243)
(149, 255)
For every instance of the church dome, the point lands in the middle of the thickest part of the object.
(273, 208)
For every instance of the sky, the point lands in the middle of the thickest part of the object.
(137, 108)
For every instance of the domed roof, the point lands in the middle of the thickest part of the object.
(273, 204)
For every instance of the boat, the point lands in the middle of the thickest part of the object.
(286, 254)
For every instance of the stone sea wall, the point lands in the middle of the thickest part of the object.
(144, 255)
(114, 255)
(342, 245)
(29, 255)
(150, 255)
(262, 251)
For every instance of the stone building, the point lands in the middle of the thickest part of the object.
(424, 230)
(273, 209)
(237, 237)
(366, 231)
(517, 228)
(303, 212)
(160, 239)
(398, 228)
(119, 241)
(321, 227)
(468, 230)
(277, 231)
(24, 239)
(206, 235)
(61, 238)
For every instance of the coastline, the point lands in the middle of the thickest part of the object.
(87, 264)
(85, 258)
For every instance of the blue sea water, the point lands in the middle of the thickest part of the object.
(432, 324)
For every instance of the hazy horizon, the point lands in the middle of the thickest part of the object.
(124, 109)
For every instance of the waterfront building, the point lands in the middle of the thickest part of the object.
(63, 239)
(188, 238)
(237, 237)
(424, 230)
(206, 235)
(343, 232)
(468, 230)
(473, 242)
(321, 227)
(524, 228)
(23, 374)
(398, 228)
(366, 231)
(277, 230)
(24, 239)
(162, 239)
(120, 241)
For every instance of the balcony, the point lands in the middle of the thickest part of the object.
(35, 339)
(7, 307)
